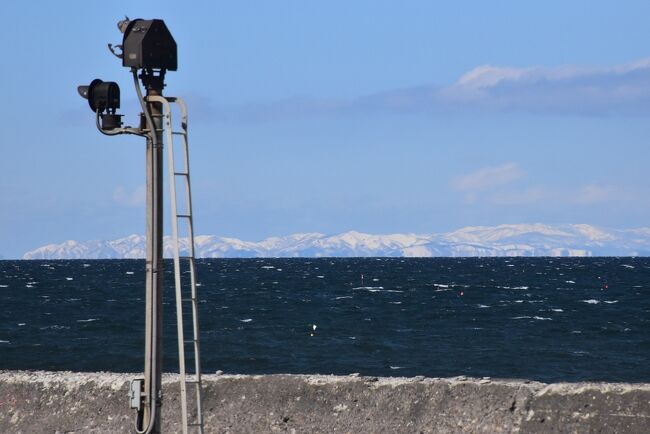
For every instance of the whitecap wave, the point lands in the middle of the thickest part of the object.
(591, 301)
(54, 327)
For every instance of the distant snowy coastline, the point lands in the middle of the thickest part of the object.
(503, 240)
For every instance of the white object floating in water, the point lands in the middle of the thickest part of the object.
(129, 272)
(88, 320)
(246, 320)
(69, 278)
(314, 327)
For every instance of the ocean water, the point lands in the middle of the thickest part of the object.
(549, 319)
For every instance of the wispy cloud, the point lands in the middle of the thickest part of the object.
(134, 198)
(488, 178)
(594, 193)
(571, 196)
(576, 90)
(506, 184)
(623, 89)
(525, 196)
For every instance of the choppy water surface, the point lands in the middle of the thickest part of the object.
(549, 319)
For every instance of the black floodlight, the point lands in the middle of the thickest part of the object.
(148, 44)
(103, 96)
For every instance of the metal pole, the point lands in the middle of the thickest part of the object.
(155, 267)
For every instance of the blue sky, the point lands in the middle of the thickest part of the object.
(375, 116)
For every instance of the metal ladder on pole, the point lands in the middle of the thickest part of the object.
(191, 412)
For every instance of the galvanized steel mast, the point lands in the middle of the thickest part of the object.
(148, 47)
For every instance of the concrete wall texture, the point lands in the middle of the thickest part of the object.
(69, 402)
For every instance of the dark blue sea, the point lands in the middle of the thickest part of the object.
(548, 319)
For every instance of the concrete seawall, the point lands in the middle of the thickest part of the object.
(67, 402)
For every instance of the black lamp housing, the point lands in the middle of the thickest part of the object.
(148, 44)
(103, 96)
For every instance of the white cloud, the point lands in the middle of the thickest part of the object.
(134, 198)
(573, 196)
(570, 89)
(523, 197)
(564, 89)
(593, 193)
(488, 178)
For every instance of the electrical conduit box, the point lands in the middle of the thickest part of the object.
(135, 393)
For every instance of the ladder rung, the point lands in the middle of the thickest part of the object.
(191, 341)
(195, 424)
(181, 173)
(186, 216)
(185, 257)
(179, 133)
(188, 299)
(192, 381)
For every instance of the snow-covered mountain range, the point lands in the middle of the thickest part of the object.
(503, 240)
